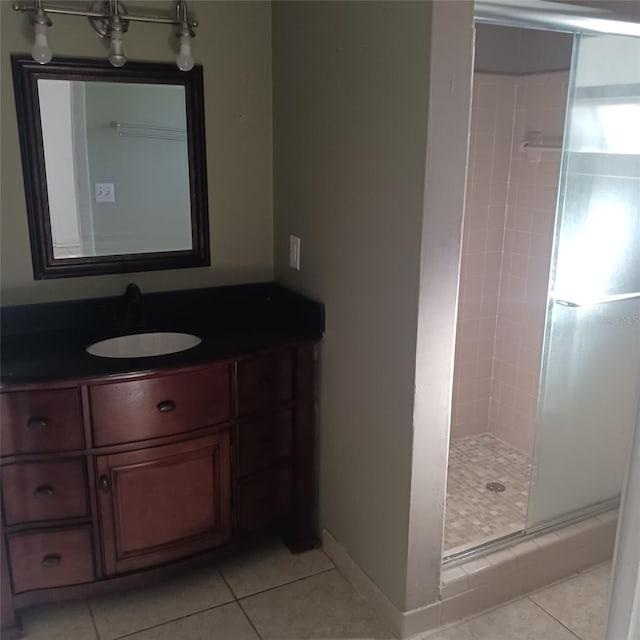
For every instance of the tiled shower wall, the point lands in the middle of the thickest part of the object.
(507, 240)
(483, 235)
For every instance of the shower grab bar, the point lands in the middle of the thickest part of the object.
(588, 303)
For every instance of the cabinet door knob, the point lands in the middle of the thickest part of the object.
(43, 491)
(104, 484)
(51, 560)
(36, 423)
(166, 406)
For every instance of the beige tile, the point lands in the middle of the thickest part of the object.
(64, 621)
(474, 514)
(271, 565)
(477, 571)
(520, 620)
(454, 581)
(464, 604)
(119, 614)
(421, 620)
(322, 606)
(222, 623)
(580, 603)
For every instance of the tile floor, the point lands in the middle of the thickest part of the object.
(474, 514)
(270, 594)
(574, 608)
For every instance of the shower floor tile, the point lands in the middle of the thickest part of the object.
(473, 513)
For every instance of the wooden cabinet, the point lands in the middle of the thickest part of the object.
(160, 503)
(55, 558)
(265, 381)
(103, 478)
(53, 489)
(41, 421)
(265, 441)
(159, 406)
(264, 496)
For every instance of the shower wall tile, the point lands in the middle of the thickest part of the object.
(493, 109)
(528, 238)
(507, 240)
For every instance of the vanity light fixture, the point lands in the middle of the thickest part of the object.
(185, 32)
(41, 51)
(110, 19)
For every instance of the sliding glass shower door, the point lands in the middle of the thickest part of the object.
(590, 372)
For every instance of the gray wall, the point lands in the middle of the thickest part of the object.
(350, 115)
(233, 44)
(517, 51)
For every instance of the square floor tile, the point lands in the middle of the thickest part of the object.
(520, 620)
(271, 565)
(322, 606)
(222, 623)
(119, 614)
(474, 514)
(580, 603)
(63, 621)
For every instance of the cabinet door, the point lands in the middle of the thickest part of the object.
(162, 503)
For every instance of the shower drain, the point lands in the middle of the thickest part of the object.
(495, 487)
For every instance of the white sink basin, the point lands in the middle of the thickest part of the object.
(143, 345)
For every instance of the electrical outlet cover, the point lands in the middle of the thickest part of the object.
(105, 192)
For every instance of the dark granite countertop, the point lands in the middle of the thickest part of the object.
(47, 342)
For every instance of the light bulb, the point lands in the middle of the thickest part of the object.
(41, 51)
(117, 55)
(185, 59)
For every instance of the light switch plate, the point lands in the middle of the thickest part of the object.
(105, 192)
(294, 252)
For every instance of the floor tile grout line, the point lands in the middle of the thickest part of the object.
(572, 576)
(93, 619)
(224, 579)
(246, 615)
(236, 599)
(187, 615)
(285, 584)
(573, 633)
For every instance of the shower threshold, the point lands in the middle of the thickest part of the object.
(458, 556)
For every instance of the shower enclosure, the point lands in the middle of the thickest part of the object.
(559, 391)
(591, 364)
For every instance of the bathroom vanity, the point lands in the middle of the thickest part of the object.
(114, 469)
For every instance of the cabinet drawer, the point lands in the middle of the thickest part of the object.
(41, 421)
(44, 491)
(45, 559)
(265, 381)
(265, 441)
(264, 497)
(143, 409)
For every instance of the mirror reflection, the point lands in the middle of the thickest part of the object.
(117, 167)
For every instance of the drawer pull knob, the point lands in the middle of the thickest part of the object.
(36, 423)
(51, 560)
(43, 491)
(104, 484)
(166, 406)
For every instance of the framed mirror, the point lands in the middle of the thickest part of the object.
(114, 166)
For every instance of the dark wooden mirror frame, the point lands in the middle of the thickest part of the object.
(26, 73)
